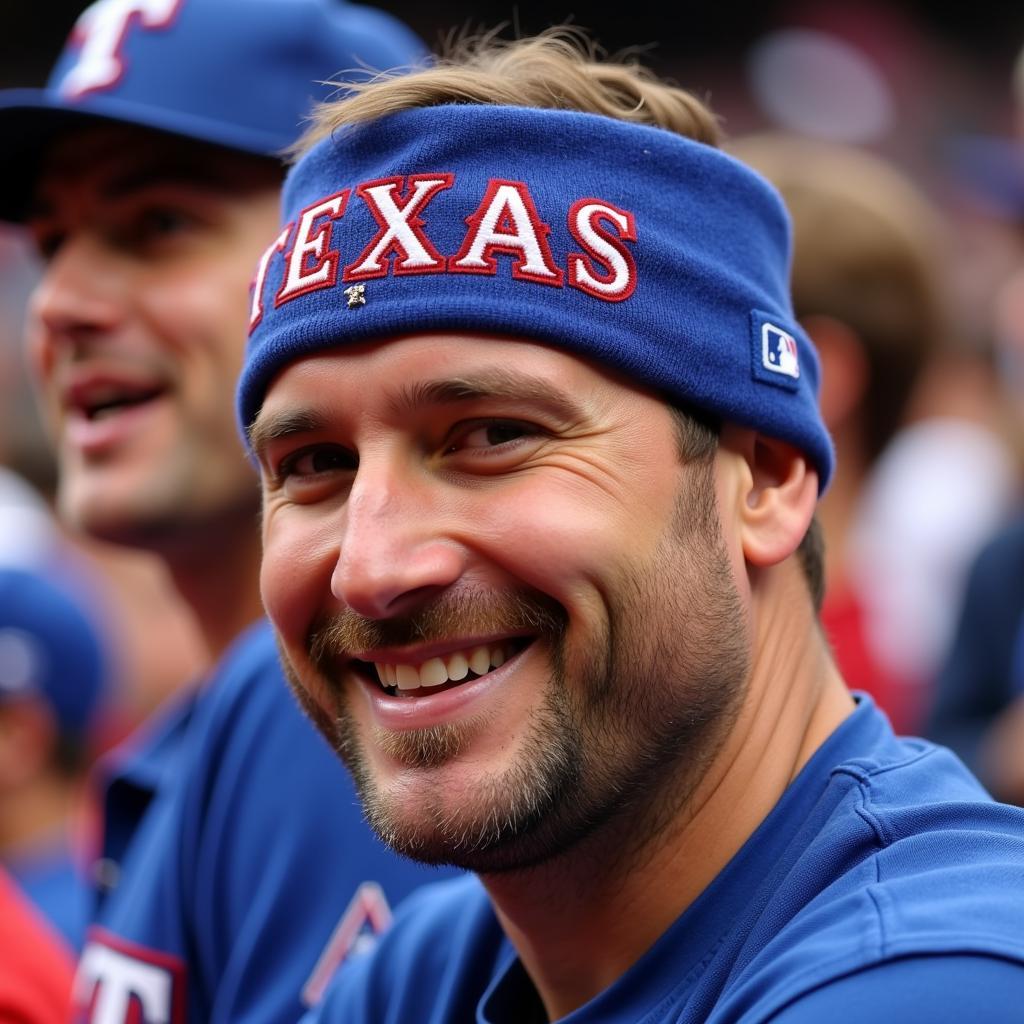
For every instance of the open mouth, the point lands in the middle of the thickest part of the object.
(100, 402)
(442, 673)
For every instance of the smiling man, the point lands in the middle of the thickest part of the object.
(540, 453)
(236, 871)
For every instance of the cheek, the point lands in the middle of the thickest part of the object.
(295, 575)
(558, 541)
(202, 311)
(40, 356)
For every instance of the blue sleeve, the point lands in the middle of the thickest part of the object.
(277, 854)
(948, 989)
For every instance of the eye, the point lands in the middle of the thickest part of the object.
(314, 462)
(479, 436)
(46, 238)
(155, 224)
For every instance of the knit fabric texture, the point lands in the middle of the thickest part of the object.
(658, 256)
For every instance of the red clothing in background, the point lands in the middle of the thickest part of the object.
(36, 969)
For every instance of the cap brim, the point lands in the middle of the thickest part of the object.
(31, 119)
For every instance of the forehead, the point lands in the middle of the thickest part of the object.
(111, 161)
(399, 374)
(392, 360)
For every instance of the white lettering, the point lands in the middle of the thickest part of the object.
(507, 221)
(619, 280)
(256, 310)
(323, 272)
(400, 228)
(102, 29)
(116, 979)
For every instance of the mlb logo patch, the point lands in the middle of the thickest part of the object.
(778, 351)
(774, 352)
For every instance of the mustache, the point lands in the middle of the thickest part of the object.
(450, 615)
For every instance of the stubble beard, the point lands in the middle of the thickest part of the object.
(623, 734)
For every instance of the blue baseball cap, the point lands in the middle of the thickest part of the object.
(241, 74)
(50, 648)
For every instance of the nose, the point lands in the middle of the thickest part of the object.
(396, 551)
(79, 296)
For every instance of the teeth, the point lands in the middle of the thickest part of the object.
(458, 667)
(438, 671)
(433, 672)
(408, 677)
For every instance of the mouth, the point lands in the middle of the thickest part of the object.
(97, 400)
(412, 679)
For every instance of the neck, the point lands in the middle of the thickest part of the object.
(217, 575)
(579, 923)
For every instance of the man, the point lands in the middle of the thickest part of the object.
(236, 872)
(54, 667)
(540, 454)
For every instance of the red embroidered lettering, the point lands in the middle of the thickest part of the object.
(401, 227)
(101, 31)
(312, 242)
(366, 917)
(613, 276)
(117, 979)
(507, 221)
(256, 310)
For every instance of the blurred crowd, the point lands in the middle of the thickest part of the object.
(909, 277)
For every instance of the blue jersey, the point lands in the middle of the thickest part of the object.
(884, 886)
(237, 871)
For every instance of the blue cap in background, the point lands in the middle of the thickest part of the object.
(242, 74)
(50, 648)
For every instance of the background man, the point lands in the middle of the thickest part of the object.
(540, 454)
(148, 173)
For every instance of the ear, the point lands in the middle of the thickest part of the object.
(774, 492)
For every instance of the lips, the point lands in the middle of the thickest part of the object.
(100, 396)
(411, 677)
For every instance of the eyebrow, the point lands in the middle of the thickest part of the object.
(279, 426)
(499, 384)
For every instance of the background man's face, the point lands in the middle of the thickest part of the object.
(498, 590)
(138, 325)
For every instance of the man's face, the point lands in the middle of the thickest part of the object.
(498, 590)
(138, 325)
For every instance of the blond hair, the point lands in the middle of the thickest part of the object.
(557, 70)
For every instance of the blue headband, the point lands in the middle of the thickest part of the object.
(660, 257)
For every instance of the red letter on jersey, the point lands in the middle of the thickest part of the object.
(507, 221)
(613, 276)
(323, 272)
(101, 31)
(401, 227)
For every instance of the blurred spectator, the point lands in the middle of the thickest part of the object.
(979, 702)
(35, 970)
(53, 669)
(869, 287)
